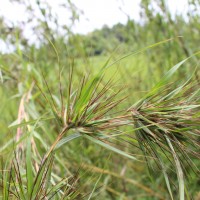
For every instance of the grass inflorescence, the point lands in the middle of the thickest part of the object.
(95, 110)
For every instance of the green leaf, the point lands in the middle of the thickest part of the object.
(29, 169)
(178, 168)
(111, 148)
(67, 139)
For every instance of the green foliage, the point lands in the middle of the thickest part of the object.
(77, 124)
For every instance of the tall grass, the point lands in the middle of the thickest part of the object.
(74, 129)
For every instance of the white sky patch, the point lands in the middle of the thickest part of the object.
(11, 11)
(95, 15)
(99, 13)
(110, 12)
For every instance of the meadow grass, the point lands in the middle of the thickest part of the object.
(99, 128)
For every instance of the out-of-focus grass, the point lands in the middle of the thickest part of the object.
(104, 174)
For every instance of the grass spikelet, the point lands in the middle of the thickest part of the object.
(167, 124)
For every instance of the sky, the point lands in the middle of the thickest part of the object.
(95, 14)
(110, 12)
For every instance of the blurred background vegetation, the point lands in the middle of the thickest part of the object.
(25, 61)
